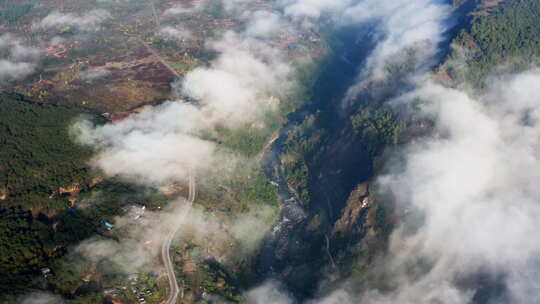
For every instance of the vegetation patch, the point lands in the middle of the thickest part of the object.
(506, 39)
(38, 156)
(14, 12)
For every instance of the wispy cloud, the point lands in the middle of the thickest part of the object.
(19, 60)
(41, 298)
(174, 33)
(473, 182)
(85, 22)
(468, 200)
(94, 74)
(265, 24)
(314, 9)
(14, 70)
(161, 144)
(180, 8)
(138, 249)
(408, 36)
(269, 292)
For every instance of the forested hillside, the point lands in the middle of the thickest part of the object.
(43, 177)
(505, 39)
(38, 156)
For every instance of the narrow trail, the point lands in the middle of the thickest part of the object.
(165, 249)
(159, 58)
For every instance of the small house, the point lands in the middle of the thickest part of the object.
(107, 225)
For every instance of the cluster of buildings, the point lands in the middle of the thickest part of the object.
(139, 288)
(58, 51)
(134, 211)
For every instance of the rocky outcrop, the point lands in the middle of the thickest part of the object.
(171, 189)
(95, 181)
(3, 194)
(354, 212)
(73, 189)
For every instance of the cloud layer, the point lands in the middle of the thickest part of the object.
(180, 8)
(474, 184)
(468, 198)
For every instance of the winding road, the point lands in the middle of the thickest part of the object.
(165, 248)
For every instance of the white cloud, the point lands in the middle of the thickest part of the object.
(94, 74)
(14, 70)
(56, 41)
(180, 8)
(42, 298)
(336, 297)
(404, 24)
(153, 147)
(269, 292)
(474, 182)
(84, 22)
(174, 33)
(313, 9)
(408, 35)
(160, 145)
(142, 238)
(17, 51)
(236, 6)
(238, 85)
(19, 61)
(20, 52)
(136, 251)
(265, 24)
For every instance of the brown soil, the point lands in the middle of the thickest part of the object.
(358, 202)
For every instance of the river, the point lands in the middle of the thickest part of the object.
(350, 46)
(280, 257)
